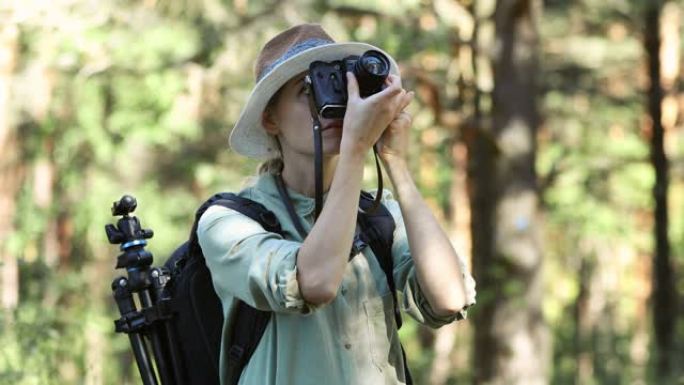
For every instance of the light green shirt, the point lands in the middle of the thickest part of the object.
(352, 340)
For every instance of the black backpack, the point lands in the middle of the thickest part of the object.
(197, 321)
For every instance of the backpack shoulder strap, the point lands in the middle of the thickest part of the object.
(249, 324)
(245, 206)
(377, 230)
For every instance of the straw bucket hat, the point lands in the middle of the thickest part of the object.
(284, 56)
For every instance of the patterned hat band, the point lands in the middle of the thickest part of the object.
(294, 50)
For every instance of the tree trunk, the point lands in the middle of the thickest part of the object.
(10, 165)
(511, 339)
(639, 346)
(664, 303)
(584, 323)
(670, 64)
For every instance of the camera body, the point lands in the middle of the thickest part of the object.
(329, 80)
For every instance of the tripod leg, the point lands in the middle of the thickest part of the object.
(160, 277)
(126, 305)
(157, 347)
(141, 358)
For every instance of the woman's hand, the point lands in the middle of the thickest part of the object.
(367, 118)
(393, 144)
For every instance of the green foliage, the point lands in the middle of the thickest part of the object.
(142, 99)
(597, 202)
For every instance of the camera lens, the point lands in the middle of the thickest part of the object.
(373, 65)
(371, 70)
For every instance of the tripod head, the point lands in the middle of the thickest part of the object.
(132, 238)
(145, 322)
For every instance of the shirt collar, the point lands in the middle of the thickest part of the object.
(303, 204)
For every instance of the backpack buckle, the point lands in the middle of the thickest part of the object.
(358, 245)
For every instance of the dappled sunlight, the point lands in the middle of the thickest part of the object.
(547, 139)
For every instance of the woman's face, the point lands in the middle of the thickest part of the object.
(290, 119)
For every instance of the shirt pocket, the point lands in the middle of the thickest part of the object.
(380, 321)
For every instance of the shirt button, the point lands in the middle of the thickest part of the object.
(347, 346)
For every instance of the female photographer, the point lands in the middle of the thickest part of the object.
(333, 320)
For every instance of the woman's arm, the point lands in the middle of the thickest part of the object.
(437, 268)
(323, 256)
(436, 263)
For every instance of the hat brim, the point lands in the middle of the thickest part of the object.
(248, 137)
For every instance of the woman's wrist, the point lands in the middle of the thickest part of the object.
(400, 176)
(396, 167)
(352, 154)
(353, 147)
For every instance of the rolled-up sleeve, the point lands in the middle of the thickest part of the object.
(249, 263)
(413, 301)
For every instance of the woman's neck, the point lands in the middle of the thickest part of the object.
(298, 173)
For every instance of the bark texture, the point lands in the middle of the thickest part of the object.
(512, 341)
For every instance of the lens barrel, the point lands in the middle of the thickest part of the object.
(371, 70)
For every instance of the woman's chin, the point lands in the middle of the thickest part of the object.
(331, 144)
(332, 149)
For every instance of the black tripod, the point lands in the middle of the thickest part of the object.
(148, 324)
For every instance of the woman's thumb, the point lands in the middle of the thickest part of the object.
(352, 86)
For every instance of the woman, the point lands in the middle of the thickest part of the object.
(332, 317)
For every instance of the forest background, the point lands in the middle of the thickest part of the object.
(547, 138)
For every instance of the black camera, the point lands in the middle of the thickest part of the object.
(329, 80)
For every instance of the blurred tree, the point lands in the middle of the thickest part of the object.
(102, 98)
(11, 167)
(596, 188)
(664, 295)
(511, 339)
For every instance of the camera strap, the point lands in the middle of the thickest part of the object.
(318, 158)
(378, 170)
(318, 149)
(285, 197)
(318, 166)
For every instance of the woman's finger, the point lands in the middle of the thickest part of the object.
(388, 93)
(393, 79)
(352, 86)
(400, 102)
(408, 98)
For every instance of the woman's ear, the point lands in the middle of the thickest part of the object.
(269, 122)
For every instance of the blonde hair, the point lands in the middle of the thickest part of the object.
(274, 165)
